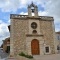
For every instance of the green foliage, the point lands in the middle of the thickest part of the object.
(22, 54)
(27, 56)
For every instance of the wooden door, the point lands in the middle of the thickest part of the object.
(35, 47)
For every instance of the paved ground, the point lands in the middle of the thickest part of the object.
(48, 57)
(3, 55)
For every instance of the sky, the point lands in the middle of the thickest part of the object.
(45, 8)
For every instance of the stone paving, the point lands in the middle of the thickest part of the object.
(48, 57)
(3, 55)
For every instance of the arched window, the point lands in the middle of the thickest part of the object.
(34, 31)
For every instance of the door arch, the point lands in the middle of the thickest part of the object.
(35, 47)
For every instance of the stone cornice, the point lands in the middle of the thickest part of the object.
(37, 35)
(26, 17)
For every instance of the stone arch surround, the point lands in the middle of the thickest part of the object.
(28, 44)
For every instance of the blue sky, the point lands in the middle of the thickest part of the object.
(45, 8)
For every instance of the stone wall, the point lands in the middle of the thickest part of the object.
(19, 40)
(20, 29)
(47, 29)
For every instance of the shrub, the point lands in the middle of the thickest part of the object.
(27, 56)
(22, 54)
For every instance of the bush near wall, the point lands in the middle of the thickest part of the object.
(24, 55)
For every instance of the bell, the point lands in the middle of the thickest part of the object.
(33, 10)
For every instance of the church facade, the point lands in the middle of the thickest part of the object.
(32, 34)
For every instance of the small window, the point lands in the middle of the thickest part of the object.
(34, 31)
(58, 38)
(8, 49)
(47, 49)
(58, 47)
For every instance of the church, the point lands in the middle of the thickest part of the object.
(32, 34)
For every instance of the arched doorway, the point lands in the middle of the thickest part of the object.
(35, 47)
